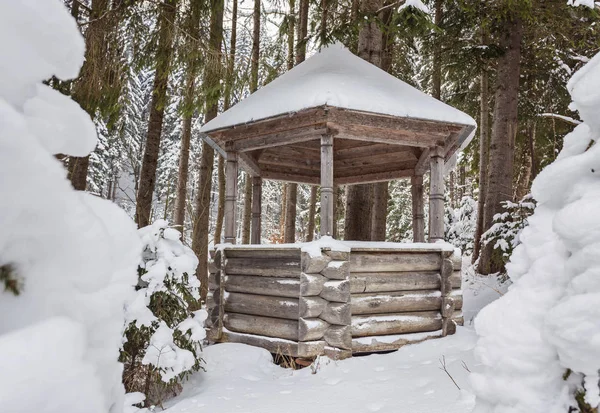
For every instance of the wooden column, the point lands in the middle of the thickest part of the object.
(327, 185)
(436, 195)
(231, 175)
(256, 209)
(418, 208)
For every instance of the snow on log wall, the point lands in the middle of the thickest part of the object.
(335, 302)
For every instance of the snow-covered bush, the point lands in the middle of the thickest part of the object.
(70, 256)
(460, 225)
(540, 343)
(505, 233)
(163, 337)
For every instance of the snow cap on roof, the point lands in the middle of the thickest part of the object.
(336, 77)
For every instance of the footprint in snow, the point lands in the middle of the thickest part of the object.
(333, 381)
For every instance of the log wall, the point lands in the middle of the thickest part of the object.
(338, 302)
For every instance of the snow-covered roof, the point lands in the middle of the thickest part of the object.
(338, 78)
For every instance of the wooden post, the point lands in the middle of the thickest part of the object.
(326, 185)
(418, 211)
(231, 175)
(436, 195)
(256, 209)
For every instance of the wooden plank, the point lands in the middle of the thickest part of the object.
(390, 342)
(374, 154)
(395, 261)
(270, 140)
(262, 326)
(287, 177)
(265, 267)
(249, 164)
(273, 345)
(366, 148)
(396, 323)
(436, 195)
(265, 251)
(418, 208)
(294, 151)
(360, 170)
(368, 282)
(374, 177)
(297, 162)
(327, 185)
(264, 305)
(231, 175)
(380, 135)
(256, 210)
(423, 162)
(278, 287)
(396, 302)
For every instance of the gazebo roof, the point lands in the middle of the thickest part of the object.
(382, 127)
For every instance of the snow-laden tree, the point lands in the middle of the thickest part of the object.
(460, 224)
(539, 343)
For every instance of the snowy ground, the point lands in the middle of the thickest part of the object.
(241, 378)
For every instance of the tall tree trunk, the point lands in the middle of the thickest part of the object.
(164, 53)
(484, 147)
(227, 105)
(211, 84)
(503, 135)
(534, 169)
(282, 213)
(84, 86)
(290, 34)
(312, 209)
(292, 188)
(359, 200)
(247, 215)
(191, 50)
(436, 76)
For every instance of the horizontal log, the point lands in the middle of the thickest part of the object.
(311, 284)
(337, 270)
(264, 305)
(310, 329)
(390, 342)
(395, 261)
(456, 262)
(456, 279)
(337, 255)
(311, 307)
(338, 291)
(279, 287)
(448, 306)
(262, 251)
(396, 302)
(458, 318)
(339, 336)
(314, 264)
(397, 323)
(262, 326)
(311, 348)
(337, 314)
(273, 345)
(370, 282)
(263, 267)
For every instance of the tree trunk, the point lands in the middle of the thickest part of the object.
(164, 53)
(282, 213)
(359, 197)
(191, 47)
(290, 213)
(436, 76)
(290, 34)
(312, 209)
(484, 146)
(503, 135)
(379, 212)
(247, 213)
(227, 105)
(211, 84)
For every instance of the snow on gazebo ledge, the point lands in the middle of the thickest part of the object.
(336, 77)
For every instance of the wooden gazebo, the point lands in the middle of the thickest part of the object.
(337, 119)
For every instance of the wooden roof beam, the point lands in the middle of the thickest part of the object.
(277, 139)
(287, 177)
(423, 162)
(374, 177)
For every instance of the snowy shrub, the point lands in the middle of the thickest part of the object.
(70, 256)
(163, 337)
(539, 343)
(460, 225)
(505, 233)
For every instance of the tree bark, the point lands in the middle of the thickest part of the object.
(312, 209)
(191, 47)
(247, 213)
(436, 77)
(379, 212)
(484, 146)
(359, 201)
(227, 105)
(211, 84)
(290, 213)
(503, 135)
(166, 20)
